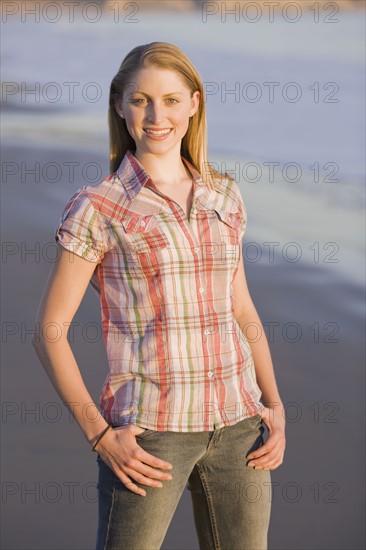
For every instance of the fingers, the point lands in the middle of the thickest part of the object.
(152, 460)
(270, 455)
(143, 473)
(140, 478)
(135, 470)
(266, 448)
(146, 457)
(130, 485)
(131, 463)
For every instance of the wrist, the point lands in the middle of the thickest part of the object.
(274, 405)
(94, 430)
(95, 443)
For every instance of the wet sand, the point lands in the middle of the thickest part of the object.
(48, 471)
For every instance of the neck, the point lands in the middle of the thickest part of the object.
(167, 168)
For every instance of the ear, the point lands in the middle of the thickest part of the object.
(117, 105)
(195, 101)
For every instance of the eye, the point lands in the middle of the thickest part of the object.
(137, 101)
(140, 100)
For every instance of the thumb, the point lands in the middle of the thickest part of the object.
(267, 416)
(136, 430)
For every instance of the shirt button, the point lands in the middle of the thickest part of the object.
(210, 374)
(142, 223)
(197, 248)
(201, 289)
(206, 331)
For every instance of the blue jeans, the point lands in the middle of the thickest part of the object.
(231, 501)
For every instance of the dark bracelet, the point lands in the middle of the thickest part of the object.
(100, 437)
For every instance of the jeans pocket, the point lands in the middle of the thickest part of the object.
(255, 418)
(146, 433)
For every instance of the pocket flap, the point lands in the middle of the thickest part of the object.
(233, 219)
(139, 224)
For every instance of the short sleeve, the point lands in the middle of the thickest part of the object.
(80, 229)
(241, 208)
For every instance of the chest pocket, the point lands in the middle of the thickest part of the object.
(230, 228)
(231, 225)
(143, 241)
(144, 234)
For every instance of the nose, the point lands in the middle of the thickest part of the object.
(155, 113)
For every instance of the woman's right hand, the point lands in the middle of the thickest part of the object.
(120, 451)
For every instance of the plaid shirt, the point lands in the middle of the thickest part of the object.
(178, 359)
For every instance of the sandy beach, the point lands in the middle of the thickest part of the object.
(312, 308)
(44, 446)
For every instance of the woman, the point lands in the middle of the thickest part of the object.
(160, 240)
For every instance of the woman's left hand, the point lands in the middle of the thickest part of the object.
(270, 455)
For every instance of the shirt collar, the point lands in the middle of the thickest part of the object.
(133, 176)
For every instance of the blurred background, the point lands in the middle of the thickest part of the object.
(285, 89)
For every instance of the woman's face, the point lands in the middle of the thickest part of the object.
(156, 106)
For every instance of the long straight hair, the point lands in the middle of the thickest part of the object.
(165, 56)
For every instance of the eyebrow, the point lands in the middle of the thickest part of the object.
(165, 95)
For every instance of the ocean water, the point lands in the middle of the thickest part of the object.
(303, 249)
(285, 107)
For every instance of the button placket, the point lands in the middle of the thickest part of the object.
(175, 207)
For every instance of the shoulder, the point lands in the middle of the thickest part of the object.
(228, 187)
(104, 197)
(85, 221)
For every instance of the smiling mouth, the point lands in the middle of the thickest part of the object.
(161, 132)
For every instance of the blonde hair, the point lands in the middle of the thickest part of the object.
(164, 56)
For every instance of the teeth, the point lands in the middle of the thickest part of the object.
(157, 132)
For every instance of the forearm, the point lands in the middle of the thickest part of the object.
(261, 355)
(60, 365)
